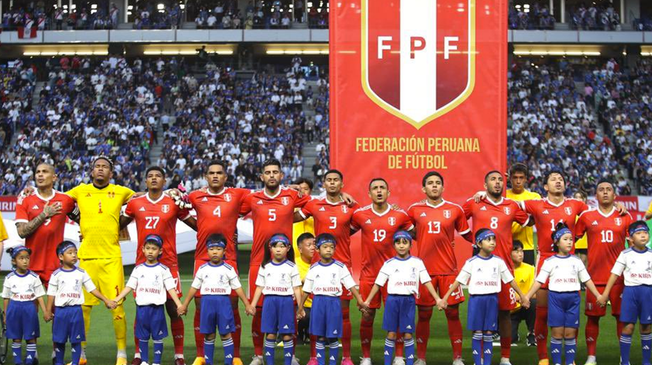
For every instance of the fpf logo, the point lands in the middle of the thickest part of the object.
(418, 56)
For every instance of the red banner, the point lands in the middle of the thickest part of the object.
(418, 85)
(8, 203)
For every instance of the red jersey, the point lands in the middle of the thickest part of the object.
(44, 240)
(605, 235)
(217, 213)
(436, 226)
(271, 215)
(157, 217)
(547, 215)
(333, 218)
(499, 218)
(377, 237)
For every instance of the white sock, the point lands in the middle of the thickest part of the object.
(122, 353)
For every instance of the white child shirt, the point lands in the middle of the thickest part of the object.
(403, 275)
(564, 273)
(216, 279)
(637, 266)
(278, 279)
(484, 275)
(66, 286)
(22, 288)
(151, 283)
(327, 279)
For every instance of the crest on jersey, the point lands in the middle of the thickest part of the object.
(345, 209)
(418, 56)
(111, 194)
(165, 208)
(618, 221)
(392, 221)
(447, 213)
(227, 197)
(568, 211)
(507, 210)
(285, 200)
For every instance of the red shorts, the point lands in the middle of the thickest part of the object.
(200, 262)
(507, 298)
(365, 289)
(441, 283)
(591, 307)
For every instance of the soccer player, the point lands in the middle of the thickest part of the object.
(518, 177)
(378, 223)
(547, 213)
(606, 232)
(99, 205)
(41, 221)
(156, 213)
(633, 265)
(332, 214)
(498, 214)
(272, 211)
(436, 221)
(217, 208)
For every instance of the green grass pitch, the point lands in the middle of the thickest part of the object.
(101, 342)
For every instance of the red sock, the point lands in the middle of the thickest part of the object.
(398, 346)
(366, 334)
(454, 331)
(238, 332)
(619, 326)
(256, 335)
(592, 332)
(346, 331)
(199, 337)
(423, 331)
(136, 341)
(541, 332)
(505, 346)
(313, 348)
(178, 331)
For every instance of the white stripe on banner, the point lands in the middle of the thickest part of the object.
(418, 60)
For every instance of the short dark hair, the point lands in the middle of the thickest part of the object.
(605, 181)
(215, 237)
(334, 171)
(517, 245)
(155, 168)
(303, 180)
(429, 174)
(378, 179)
(272, 162)
(555, 242)
(105, 158)
(216, 162)
(486, 176)
(547, 177)
(304, 236)
(518, 167)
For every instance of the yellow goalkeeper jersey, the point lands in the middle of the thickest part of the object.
(100, 219)
(523, 234)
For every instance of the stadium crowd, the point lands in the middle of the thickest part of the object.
(589, 119)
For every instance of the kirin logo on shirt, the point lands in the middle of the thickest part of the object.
(392, 221)
(165, 208)
(285, 200)
(418, 57)
(447, 213)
